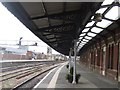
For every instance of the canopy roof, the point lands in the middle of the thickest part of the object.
(57, 23)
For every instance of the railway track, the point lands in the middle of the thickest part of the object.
(19, 70)
(21, 73)
(17, 67)
(32, 81)
(21, 77)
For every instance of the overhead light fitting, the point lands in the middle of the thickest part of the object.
(97, 17)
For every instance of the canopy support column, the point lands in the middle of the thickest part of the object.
(74, 68)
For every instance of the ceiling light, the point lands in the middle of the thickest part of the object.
(97, 17)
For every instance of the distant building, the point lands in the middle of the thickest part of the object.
(9, 53)
(13, 50)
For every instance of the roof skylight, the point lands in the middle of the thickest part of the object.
(85, 30)
(80, 37)
(82, 43)
(90, 24)
(85, 40)
(79, 47)
(104, 23)
(113, 13)
(88, 37)
(82, 34)
(92, 17)
(91, 34)
(107, 2)
(101, 10)
(77, 43)
(96, 30)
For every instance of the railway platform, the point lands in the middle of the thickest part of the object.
(88, 80)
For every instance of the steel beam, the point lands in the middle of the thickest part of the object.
(46, 13)
(57, 15)
(56, 26)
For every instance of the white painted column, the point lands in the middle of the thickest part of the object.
(74, 68)
(104, 61)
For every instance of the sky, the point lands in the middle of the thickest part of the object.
(12, 29)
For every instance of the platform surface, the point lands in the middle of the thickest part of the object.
(89, 80)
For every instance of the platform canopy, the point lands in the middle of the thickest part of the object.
(56, 23)
(95, 31)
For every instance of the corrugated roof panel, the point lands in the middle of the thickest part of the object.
(33, 8)
(54, 7)
(73, 6)
(42, 22)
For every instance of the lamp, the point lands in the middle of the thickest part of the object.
(97, 17)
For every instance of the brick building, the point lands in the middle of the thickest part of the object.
(103, 55)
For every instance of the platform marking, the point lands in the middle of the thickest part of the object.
(36, 86)
(55, 77)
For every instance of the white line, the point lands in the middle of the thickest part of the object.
(36, 86)
(55, 77)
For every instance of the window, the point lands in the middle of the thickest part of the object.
(98, 57)
(91, 57)
(119, 54)
(110, 55)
